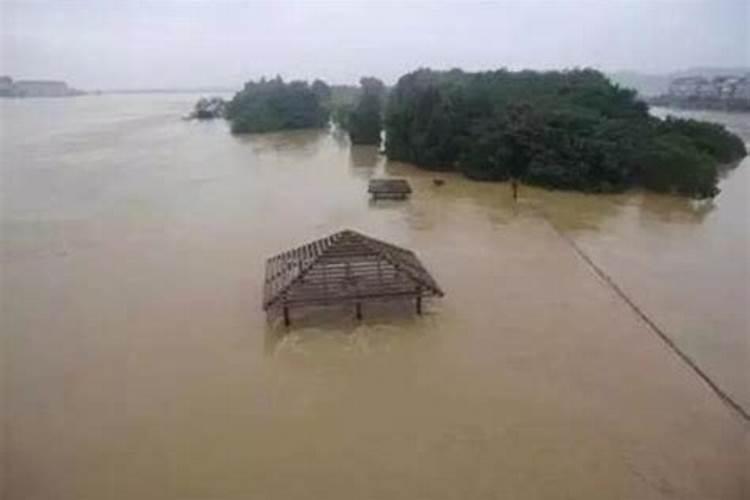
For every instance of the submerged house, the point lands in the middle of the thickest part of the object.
(395, 189)
(345, 268)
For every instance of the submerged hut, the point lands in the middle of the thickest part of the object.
(395, 189)
(345, 267)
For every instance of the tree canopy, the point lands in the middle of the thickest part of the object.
(561, 129)
(365, 121)
(269, 105)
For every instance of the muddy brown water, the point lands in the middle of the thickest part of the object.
(137, 362)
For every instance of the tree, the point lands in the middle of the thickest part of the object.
(365, 121)
(561, 129)
(269, 105)
(322, 90)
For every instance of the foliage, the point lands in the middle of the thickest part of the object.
(208, 108)
(344, 95)
(269, 105)
(343, 100)
(322, 90)
(561, 129)
(672, 163)
(365, 121)
(711, 138)
(341, 115)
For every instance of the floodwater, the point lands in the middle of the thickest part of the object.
(137, 362)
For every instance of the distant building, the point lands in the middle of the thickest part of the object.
(742, 90)
(35, 88)
(686, 86)
(720, 92)
(41, 88)
(6, 86)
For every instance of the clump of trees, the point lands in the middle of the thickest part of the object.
(269, 105)
(208, 108)
(560, 129)
(365, 121)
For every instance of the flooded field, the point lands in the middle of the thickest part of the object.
(137, 362)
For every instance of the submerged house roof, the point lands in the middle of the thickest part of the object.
(345, 267)
(389, 186)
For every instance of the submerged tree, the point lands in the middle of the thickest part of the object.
(269, 105)
(365, 121)
(569, 129)
(343, 100)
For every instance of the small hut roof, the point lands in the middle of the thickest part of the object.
(392, 186)
(342, 267)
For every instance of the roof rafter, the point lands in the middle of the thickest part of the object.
(345, 266)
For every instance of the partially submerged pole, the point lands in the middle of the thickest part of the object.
(286, 316)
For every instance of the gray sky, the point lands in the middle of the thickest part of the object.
(132, 44)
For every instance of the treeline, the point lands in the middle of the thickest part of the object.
(569, 130)
(269, 105)
(560, 129)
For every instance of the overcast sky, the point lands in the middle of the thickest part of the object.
(134, 44)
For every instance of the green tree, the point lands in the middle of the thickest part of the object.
(269, 105)
(322, 90)
(561, 129)
(365, 121)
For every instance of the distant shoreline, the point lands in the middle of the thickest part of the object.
(35, 88)
(222, 90)
(78, 93)
(742, 107)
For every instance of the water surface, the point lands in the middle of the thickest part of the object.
(139, 364)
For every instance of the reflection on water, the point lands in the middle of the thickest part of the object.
(140, 364)
(383, 324)
(295, 143)
(364, 156)
(581, 213)
(340, 136)
(676, 210)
